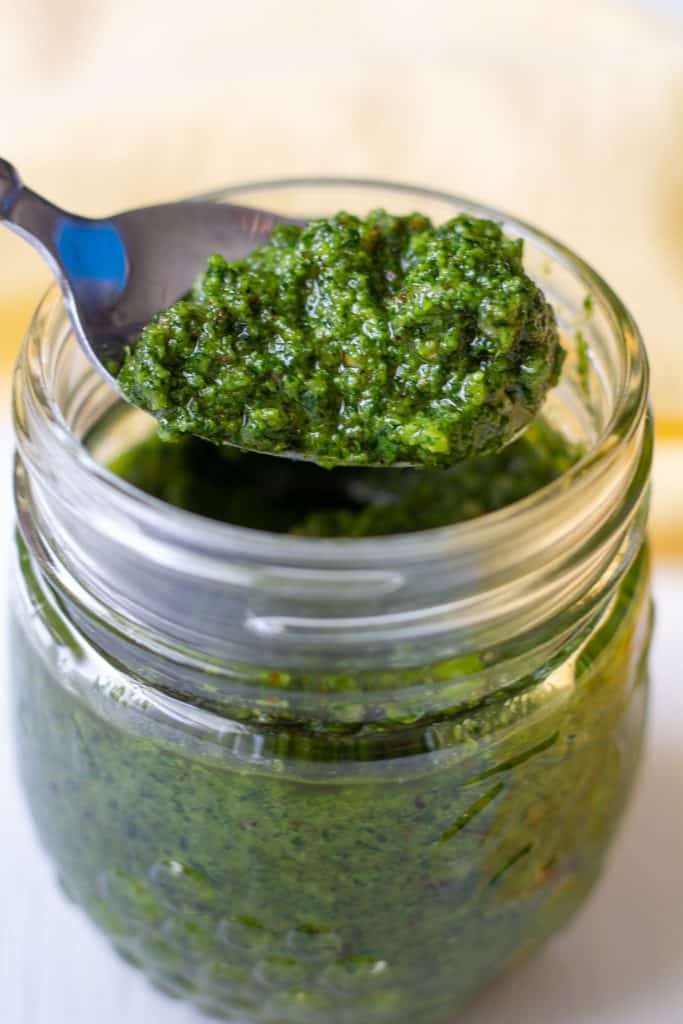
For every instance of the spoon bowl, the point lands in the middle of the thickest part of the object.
(118, 272)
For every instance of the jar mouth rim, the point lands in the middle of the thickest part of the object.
(467, 536)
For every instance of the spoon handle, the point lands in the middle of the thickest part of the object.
(10, 186)
(29, 215)
(88, 257)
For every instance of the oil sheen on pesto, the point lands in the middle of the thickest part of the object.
(356, 341)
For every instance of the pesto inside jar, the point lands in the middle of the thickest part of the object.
(283, 496)
(378, 873)
(374, 341)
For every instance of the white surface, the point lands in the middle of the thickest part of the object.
(621, 962)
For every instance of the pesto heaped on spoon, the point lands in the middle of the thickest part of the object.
(355, 342)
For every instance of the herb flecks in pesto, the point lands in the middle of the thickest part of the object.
(273, 891)
(374, 341)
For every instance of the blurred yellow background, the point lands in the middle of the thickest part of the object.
(570, 116)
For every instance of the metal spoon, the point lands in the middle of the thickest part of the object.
(117, 273)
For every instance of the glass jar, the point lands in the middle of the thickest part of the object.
(342, 781)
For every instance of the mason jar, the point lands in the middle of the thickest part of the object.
(343, 781)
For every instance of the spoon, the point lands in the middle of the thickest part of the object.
(117, 273)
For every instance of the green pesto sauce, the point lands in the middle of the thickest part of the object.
(279, 495)
(375, 341)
